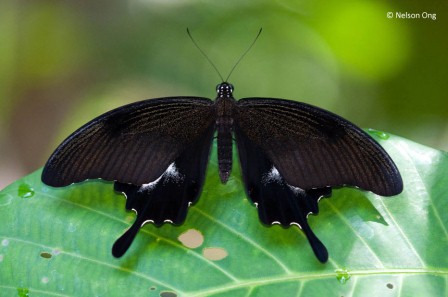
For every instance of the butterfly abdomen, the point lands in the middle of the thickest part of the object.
(224, 126)
(224, 150)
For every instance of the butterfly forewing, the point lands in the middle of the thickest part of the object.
(313, 148)
(131, 144)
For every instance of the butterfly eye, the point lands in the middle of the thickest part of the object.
(224, 89)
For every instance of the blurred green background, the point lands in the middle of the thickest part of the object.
(64, 62)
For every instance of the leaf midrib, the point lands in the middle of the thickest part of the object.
(315, 276)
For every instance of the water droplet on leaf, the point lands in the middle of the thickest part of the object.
(25, 191)
(342, 275)
(380, 134)
(23, 292)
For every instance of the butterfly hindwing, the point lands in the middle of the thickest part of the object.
(167, 199)
(276, 201)
(133, 144)
(314, 148)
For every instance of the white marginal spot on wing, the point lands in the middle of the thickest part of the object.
(295, 224)
(153, 222)
(135, 211)
(147, 222)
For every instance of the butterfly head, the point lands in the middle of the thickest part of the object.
(224, 89)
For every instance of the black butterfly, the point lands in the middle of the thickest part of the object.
(157, 150)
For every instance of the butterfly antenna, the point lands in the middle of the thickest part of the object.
(202, 52)
(242, 56)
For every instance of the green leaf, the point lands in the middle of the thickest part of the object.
(57, 242)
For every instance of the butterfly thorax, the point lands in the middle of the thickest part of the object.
(224, 125)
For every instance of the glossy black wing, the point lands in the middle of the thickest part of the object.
(134, 143)
(276, 201)
(314, 148)
(168, 198)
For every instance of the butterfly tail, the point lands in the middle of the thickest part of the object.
(318, 247)
(123, 243)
